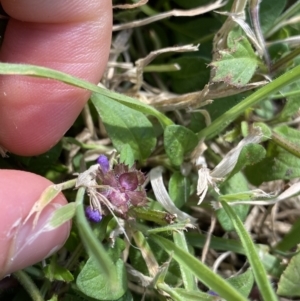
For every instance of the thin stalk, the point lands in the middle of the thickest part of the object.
(285, 60)
(28, 285)
(36, 71)
(286, 15)
(285, 95)
(162, 68)
(286, 144)
(223, 121)
(94, 247)
(188, 278)
(259, 272)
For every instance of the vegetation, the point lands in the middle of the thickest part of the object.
(196, 197)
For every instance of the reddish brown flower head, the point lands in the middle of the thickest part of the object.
(125, 187)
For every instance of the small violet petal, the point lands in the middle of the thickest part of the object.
(212, 293)
(129, 181)
(93, 215)
(104, 163)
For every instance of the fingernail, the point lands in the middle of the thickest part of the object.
(33, 244)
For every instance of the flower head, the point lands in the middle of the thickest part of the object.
(123, 187)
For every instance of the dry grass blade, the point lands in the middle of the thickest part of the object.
(173, 13)
(142, 63)
(200, 98)
(163, 197)
(131, 6)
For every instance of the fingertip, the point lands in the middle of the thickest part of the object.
(21, 243)
(36, 113)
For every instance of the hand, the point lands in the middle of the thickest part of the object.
(71, 36)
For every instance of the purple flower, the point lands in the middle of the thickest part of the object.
(93, 215)
(125, 187)
(103, 162)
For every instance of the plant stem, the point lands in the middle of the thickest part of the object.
(285, 60)
(223, 121)
(28, 285)
(93, 246)
(281, 20)
(286, 144)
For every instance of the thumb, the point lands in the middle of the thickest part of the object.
(22, 245)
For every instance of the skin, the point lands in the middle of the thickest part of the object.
(71, 36)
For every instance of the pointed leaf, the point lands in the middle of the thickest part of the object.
(126, 126)
(200, 270)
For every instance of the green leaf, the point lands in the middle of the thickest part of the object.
(200, 270)
(94, 284)
(237, 64)
(224, 120)
(215, 110)
(269, 11)
(237, 183)
(250, 154)
(243, 282)
(53, 272)
(289, 281)
(178, 140)
(278, 163)
(127, 155)
(126, 126)
(115, 251)
(271, 263)
(259, 272)
(63, 215)
(191, 77)
(102, 261)
(188, 278)
(293, 102)
(179, 189)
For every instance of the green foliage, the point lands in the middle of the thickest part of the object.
(236, 64)
(126, 126)
(243, 282)
(288, 285)
(278, 163)
(251, 154)
(236, 183)
(54, 271)
(95, 284)
(178, 140)
(149, 250)
(179, 189)
(292, 102)
(269, 12)
(127, 155)
(192, 75)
